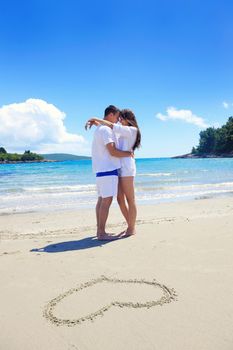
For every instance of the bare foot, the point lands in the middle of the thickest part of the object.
(121, 233)
(128, 233)
(107, 237)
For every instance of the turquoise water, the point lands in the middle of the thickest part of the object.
(71, 184)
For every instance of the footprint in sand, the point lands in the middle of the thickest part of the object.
(10, 253)
(94, 298)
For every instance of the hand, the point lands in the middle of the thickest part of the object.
(91, 122)
(132, 154)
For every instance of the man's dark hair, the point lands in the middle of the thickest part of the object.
(111, 109)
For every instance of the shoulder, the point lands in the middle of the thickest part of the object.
(133, 128)
(105, 134)
(124, 130)
(104, 129)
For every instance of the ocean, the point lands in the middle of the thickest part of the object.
(71, 184)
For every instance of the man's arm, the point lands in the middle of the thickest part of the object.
(116, 152)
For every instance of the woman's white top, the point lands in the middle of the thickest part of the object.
(126, 137)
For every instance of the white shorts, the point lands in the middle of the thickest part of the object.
(128, 167)
(107, 186)
(126, 172)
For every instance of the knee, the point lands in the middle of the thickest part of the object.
(131, 202)
(106, 202)
(120, 200)
(98, 204)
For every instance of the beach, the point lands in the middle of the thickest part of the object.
(98, 113)
(168, 287)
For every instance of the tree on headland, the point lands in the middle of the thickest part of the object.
(215, 141)
(15, 157)
(207, 141)
(27, 156)
(194, 150)
(2, 150)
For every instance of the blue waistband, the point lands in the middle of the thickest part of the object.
(107, 173)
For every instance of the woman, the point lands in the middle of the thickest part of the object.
(129, 138)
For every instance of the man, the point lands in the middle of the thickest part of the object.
(105, 163)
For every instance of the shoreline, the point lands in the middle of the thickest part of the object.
(37, 222)
(140, 203)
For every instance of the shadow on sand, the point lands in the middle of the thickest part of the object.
(85, 243)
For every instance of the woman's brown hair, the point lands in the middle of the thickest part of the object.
(129, 116)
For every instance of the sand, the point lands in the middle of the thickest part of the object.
(168, 287)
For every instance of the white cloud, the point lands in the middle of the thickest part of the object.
(38, 126)
(225, 104)
(185, 115)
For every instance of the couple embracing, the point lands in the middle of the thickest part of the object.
(116, 137)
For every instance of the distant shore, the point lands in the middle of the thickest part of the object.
(26, 161)
(193, 156)
(30, 157)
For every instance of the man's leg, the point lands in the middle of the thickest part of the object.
(107, 189)
(97, 210)
(103, 212)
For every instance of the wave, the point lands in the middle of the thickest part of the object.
(61, 188)
(47, 195)
(155, 174)
(185, 187)
(181, 195)
(52, 189)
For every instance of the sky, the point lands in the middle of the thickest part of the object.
(62, 62)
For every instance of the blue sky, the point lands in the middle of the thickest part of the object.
(144, 55)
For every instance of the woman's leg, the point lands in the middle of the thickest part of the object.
(127, 186)
(122, 201)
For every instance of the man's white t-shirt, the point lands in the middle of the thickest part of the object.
(126, 137)
(101, 158)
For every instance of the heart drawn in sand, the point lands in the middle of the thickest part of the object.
(168, 295)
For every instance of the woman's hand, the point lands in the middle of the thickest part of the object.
(91, 122)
